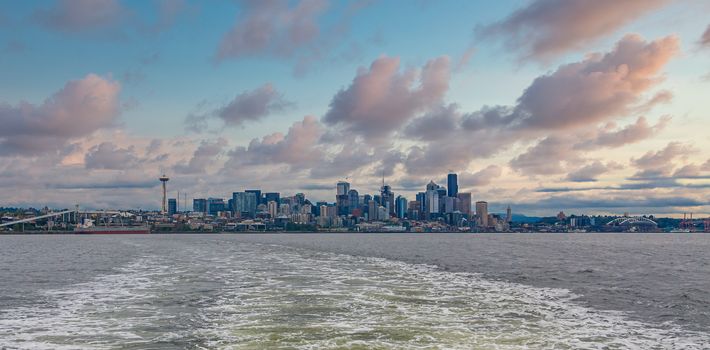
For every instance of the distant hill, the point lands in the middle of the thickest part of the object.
(525, 219)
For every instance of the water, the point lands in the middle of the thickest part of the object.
(314, 291)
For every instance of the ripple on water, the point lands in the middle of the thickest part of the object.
(249, 296)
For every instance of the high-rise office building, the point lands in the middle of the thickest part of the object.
(482, 213)
(464, 204)
(172, 206)
(215, 205)
(273, 208)
(199, 205)
(244, 204)
(401, 207)
(353, 200)
(342, 200)
(272, 196)
(387, 199)
(452, 185)
(342, 188)
(508, 215)
(257, 195)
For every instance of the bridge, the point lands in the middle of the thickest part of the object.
(631, 221)
(60, 213)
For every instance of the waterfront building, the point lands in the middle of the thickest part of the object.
(508, 215)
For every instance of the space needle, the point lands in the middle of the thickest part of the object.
(164, 179)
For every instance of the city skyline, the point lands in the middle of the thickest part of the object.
(289, 97)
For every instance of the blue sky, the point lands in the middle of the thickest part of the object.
(158, 63)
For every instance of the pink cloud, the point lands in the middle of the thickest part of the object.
(272, 26)
(547, 28)
(381, 99)
(78, 109)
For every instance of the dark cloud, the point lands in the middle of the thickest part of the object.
(382, 99)
(591, 172)
(78, 109)
(107, 155)
(435, 125)
(547, 28)
(252, 105)
(567, 202)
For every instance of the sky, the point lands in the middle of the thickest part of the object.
(597, 107)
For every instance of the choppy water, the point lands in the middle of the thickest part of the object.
(323, 292)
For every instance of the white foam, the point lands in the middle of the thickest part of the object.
(232, 295)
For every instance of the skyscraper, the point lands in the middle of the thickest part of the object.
(342, 200)
(464, 205)
(273, 208)
(353, 200)
(452, 185)
(199, 205)
(172, 206)
(387, 198)
(257, 194)
(244, 204)
(482, 213)
(508, 215)
(401, 207)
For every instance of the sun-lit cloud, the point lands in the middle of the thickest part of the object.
(547, 28)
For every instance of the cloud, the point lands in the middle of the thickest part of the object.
(203, 157)
(297, 148)
(482, 177)
(611, 203)
(435, 125)
(78, 109)
(660, 163)
(604, 86)
(272, 27)
(381, 99)
(108, 156)
(705, 39)
(82, 15)
(610, 137)
(548, 28)
(591, 172)
(462, 62)
(252, 105)
(549, 156)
